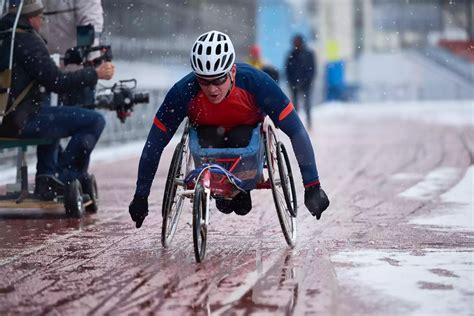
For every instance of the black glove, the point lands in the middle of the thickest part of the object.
(138, 209)
(316, 200)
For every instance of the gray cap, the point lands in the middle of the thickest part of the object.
(30, 8)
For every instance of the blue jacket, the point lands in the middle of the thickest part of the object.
(300, 68)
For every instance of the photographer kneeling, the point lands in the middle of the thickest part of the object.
(32, 68)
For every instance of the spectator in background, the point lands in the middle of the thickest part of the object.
(255, 59)
(300, 73)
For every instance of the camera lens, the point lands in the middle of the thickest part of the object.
(141, 97)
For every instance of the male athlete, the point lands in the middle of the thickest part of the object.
(225, 100)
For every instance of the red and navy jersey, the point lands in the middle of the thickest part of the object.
(253, 96)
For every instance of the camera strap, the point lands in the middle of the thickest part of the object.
(5, 85)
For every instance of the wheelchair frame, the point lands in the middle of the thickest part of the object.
(278, 177)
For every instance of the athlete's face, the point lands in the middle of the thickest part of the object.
(216, 90)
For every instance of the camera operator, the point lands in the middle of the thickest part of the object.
(59, 29)
(32, 67)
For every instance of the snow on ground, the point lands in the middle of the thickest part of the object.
(438, 281)
(434, 283)
(434, 183)
(430, 281)
(456, 113)
(456, 210)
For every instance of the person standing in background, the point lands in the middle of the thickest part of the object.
(300, 72)
(62, 18)
(255, 59)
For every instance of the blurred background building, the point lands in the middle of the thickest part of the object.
(389, 49)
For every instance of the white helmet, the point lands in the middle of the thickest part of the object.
(212, 55)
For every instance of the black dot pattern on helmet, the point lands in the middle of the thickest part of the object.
(208, 50)
(216, 65)
(200, 49)
(208, 65)
(231, 58)
(218, 49)
(226, 47)
(223, 60)
(200, 65)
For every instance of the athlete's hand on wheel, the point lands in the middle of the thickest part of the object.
(138, 209)
(316, 200)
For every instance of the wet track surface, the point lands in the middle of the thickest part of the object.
(50, 264)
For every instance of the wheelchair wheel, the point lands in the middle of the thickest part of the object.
(288, 183)
(200, 209)
(91, 189)
(172, 202)
(73, 201)
(283, 189)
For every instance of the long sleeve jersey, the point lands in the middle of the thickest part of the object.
(253, 95)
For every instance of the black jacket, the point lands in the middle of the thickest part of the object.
(300, 67)
(31, 62)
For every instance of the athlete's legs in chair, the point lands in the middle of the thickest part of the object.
(217, 137)
(212, 136)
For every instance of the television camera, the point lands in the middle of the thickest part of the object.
(82, 53)
(121, 98)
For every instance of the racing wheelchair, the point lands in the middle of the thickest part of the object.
(203, 174)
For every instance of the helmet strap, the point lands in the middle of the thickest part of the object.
(231, 85)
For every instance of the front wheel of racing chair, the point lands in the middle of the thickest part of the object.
(282, 183)
(172, 199)
(200, 210)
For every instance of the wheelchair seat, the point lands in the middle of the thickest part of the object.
(246, 163)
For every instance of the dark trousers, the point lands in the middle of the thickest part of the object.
(82, 125)
(305, 93)
(216, 137)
